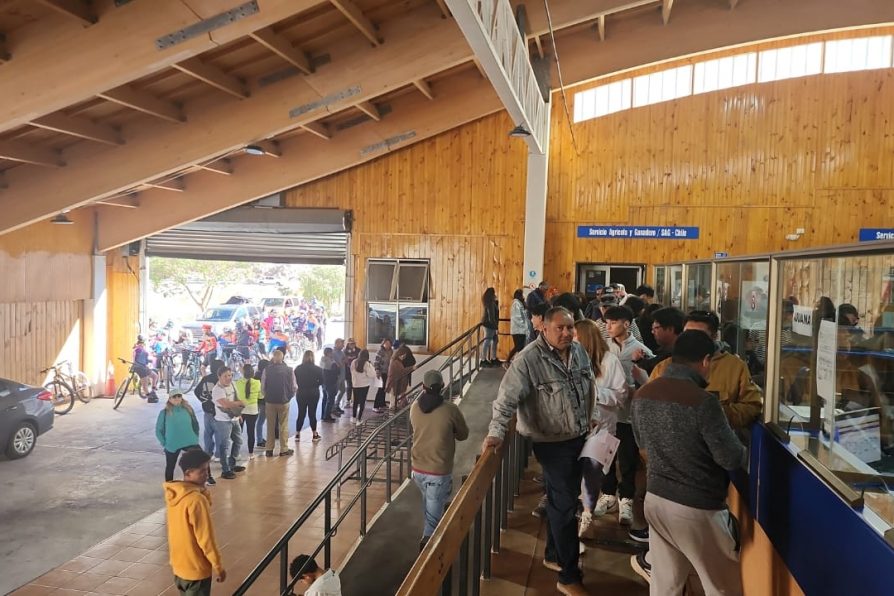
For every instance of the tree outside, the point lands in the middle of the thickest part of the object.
(195, 278)
(326, 283)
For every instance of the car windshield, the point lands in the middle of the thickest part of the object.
(273, 302)
(217, 314)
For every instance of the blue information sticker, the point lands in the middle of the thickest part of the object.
(873, 234)
(639, 232)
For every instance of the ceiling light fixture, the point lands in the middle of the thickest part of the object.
(254, 150)
(519, 131)
(61, 219)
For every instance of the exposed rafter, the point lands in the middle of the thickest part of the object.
(424, 88)
(666, 6)
(369, 108)
(539, 45)
(414, 119)
(131, 201)
(220, 166)
(358, 19)
(283, 48)
(144, 102)
(174, 184)
(79, 127)
(444, 10)
(75, 9)
(733, 3)
(270, 148)
(212, 75)
(600, 27)
(27, 153)
(319, 129)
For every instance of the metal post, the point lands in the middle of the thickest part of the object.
(447, 584)
(341, 451)
(497, 503)
(476, 554)
(388, 464)
(363, 493)
(504, 485)
(464, 567)
(284, 567)
(488, 529)
(409, 450)
(511, 455)
(519, 464)
(327, 527)
(450, 382)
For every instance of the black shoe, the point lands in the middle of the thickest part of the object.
(261, 444)
(152, 399)
(238, 468)
(268, 453)
(640, 535)
(228, 475)
(211, 481)
(286, 453)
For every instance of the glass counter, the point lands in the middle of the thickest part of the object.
(698, 278)
(741, 295)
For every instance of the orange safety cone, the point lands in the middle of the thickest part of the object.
(110, 380)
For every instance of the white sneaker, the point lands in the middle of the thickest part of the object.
(585, 529)
(625, 512)
(604, 504)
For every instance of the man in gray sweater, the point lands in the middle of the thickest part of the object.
(278, 385)
(684, 436)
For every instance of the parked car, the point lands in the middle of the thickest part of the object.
(238, 300)
(279, 303)
(25, 413)
(221, 317)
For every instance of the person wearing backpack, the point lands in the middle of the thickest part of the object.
(203, 393)
(177, 429)
(248, 391)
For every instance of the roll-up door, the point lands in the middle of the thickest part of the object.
(258, 234)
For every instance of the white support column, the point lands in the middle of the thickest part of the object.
(96, 327)
(535, 215)
(349, 290)
(144, 290)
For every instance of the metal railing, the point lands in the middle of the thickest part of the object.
(459, 552)
(387, 444)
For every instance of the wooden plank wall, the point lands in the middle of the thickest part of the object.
(45, 272)
(123, 291)
(457, 199)
(746, 165)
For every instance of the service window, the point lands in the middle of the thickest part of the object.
(397, 301)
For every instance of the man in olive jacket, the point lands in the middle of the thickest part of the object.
(549, 385)
(437, 425)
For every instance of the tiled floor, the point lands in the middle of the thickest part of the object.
(250, 514)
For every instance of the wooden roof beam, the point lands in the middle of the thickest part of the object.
(319, 129)
(539, 46)
(79, 127)
(444, 10)
(174, 184)
(283, 48)
(220, 166)
(19, 151)
(53, 71)
(131, 201)
(143, 102)
(424, 88)
(600, 27)
(368, 108)
(666, 6)
(75, 9)
(212, 75)
(467, 98)
(359, 20)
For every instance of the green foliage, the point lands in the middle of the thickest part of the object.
(198, 279)
(326, 283)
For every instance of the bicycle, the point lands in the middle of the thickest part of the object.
(130, 383)
(188, 375)
(165, 364)
(65, 387)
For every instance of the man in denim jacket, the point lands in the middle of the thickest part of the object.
(549, 385)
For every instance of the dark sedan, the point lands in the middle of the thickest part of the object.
(25, 413)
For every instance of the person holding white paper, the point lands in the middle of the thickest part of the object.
(611, 396)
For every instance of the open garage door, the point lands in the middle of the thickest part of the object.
(259, 234)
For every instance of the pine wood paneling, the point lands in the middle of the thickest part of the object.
(34, 335)
(123, 291)
(457, 199)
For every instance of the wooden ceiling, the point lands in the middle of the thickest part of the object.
(95, 109)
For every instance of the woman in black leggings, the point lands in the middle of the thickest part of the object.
(308, 377)
(362, 376)
(248, 391)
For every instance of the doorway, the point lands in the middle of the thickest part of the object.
(591, 275)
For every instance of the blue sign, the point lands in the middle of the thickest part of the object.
(638, 232)
(872, 234)
(721, 255)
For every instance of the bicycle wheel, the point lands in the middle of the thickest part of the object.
(63, 396)
(82, 386)
(122, 391)
(168, 371)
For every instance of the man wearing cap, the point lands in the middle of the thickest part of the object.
(437, 425)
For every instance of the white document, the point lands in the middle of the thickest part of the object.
(802, 320)
(601, 447)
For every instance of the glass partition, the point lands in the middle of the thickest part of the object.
(834, 366)
(698, 287)
(669, 285)
(742, 301)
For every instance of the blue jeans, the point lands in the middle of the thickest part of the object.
(209, 433)
(229, 439)
(262, 418)
(489, 351)
(329, 393)
(435, 491)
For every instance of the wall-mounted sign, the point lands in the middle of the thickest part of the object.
(872, 234)
(638, 232)
(721, 255)
(802, 320)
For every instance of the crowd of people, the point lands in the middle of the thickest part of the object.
(659, 385)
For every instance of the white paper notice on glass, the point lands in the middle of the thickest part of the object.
(802, 320)
(826, 348)
(602, 447)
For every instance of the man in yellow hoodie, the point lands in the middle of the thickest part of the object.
(194, 553)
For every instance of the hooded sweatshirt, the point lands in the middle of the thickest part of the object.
(327, 584)
(194, 553)
(436, 428)
(177, 429)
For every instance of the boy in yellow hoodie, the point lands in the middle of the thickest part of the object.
(194, 553)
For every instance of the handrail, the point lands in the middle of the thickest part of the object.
(357, 460)
(473, 520)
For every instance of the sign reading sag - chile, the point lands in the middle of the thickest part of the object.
(639, 232)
